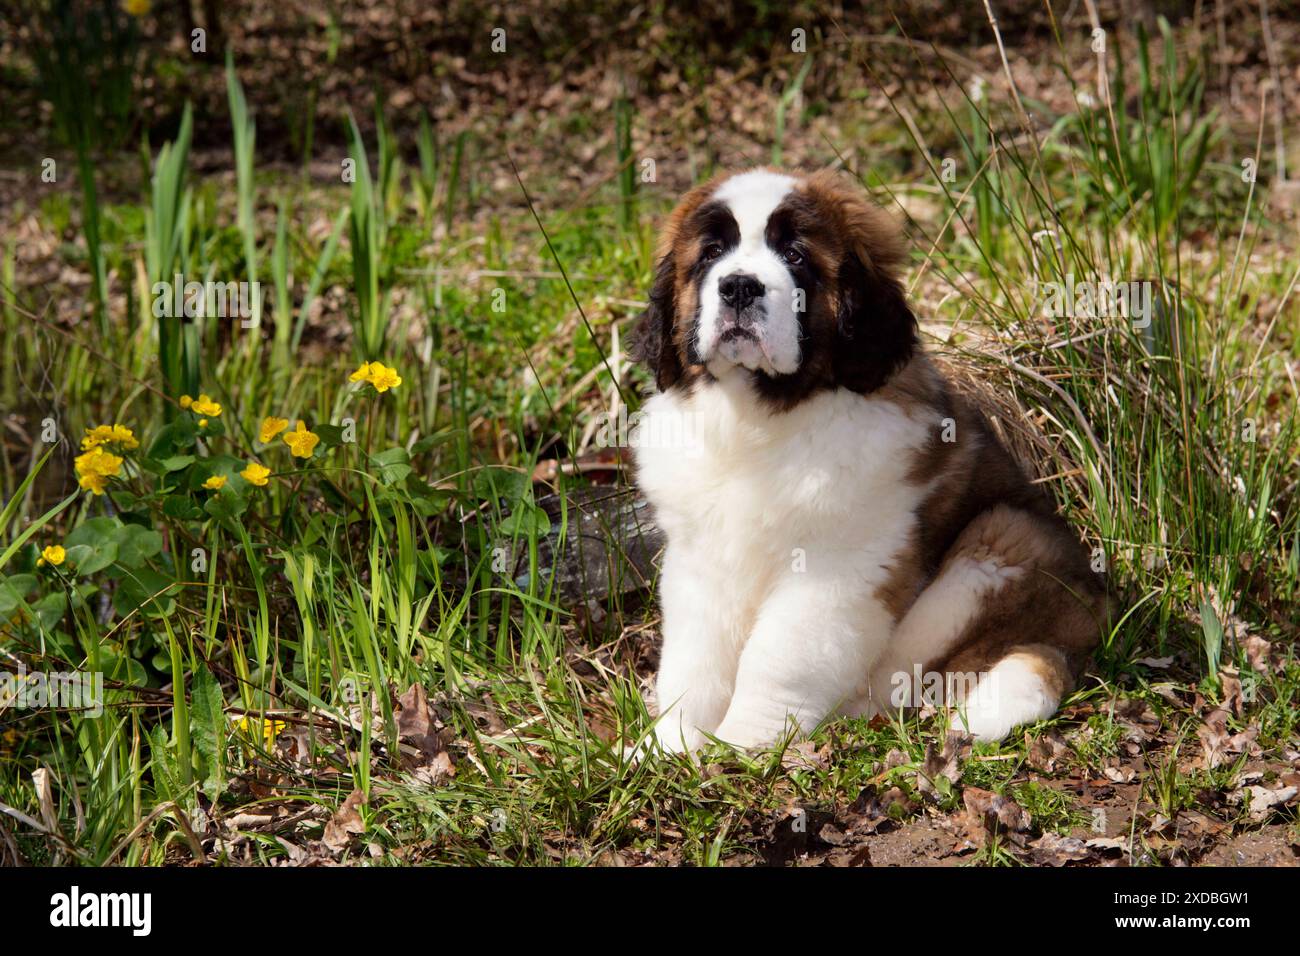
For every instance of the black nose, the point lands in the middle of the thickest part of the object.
(739, 289)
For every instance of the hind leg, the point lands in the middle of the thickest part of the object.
(1023, 687)
(1001, 631)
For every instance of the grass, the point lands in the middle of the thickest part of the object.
(261, 644)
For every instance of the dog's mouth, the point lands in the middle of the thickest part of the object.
(742, 345)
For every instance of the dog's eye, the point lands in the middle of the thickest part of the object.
(712, 251)
(793, 256)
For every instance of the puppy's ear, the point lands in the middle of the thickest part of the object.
(652, 340)
(876, 329)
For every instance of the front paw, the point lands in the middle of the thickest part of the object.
(661, 742)
(751, 734)
(675, 738)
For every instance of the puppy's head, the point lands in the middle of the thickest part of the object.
(791, 280)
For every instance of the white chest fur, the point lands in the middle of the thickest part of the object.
(780, 527)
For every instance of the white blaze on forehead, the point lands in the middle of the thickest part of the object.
(752, 197)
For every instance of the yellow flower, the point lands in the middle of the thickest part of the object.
(109, 435)
(203, 423)
(271, 427)
(95, 467)
(301, 442)
(54, 554)
(203, 405)
(186, 401)
(270, 728)
(137, 8)
(98, 462)
(215, 483)
(383, 378)
(255, 474)
(378, 375)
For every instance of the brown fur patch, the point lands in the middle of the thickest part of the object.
(1058, 600)
(982, 507)
(868, 231)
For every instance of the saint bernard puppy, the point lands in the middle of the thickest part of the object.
(844, 533)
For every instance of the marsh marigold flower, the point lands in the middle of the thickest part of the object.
(215, 483)
(97, 461)
(301, 442)
(118, 435)
(383, 378)
(137, 8)
(54, 554)
(186, 401)
(270, 728)
(204, 405)
(377, 374)
(255, 474)
(270, 428)
(95, 467)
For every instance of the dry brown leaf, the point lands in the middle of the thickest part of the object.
(945, 765)
(1260, 802)
(44, 786)
(1220, 745)
(345, 823)
(1232, 699)
(423, 752)
(968, 828)
(1119, 774)
(850, 856)
(436, 771)
(996, 810)
(1047, 751)
(896, 758)
(1051, 849)
(1107, 843)
(805, 755)
(832, 835)
(1259, 654)
(412, 714)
